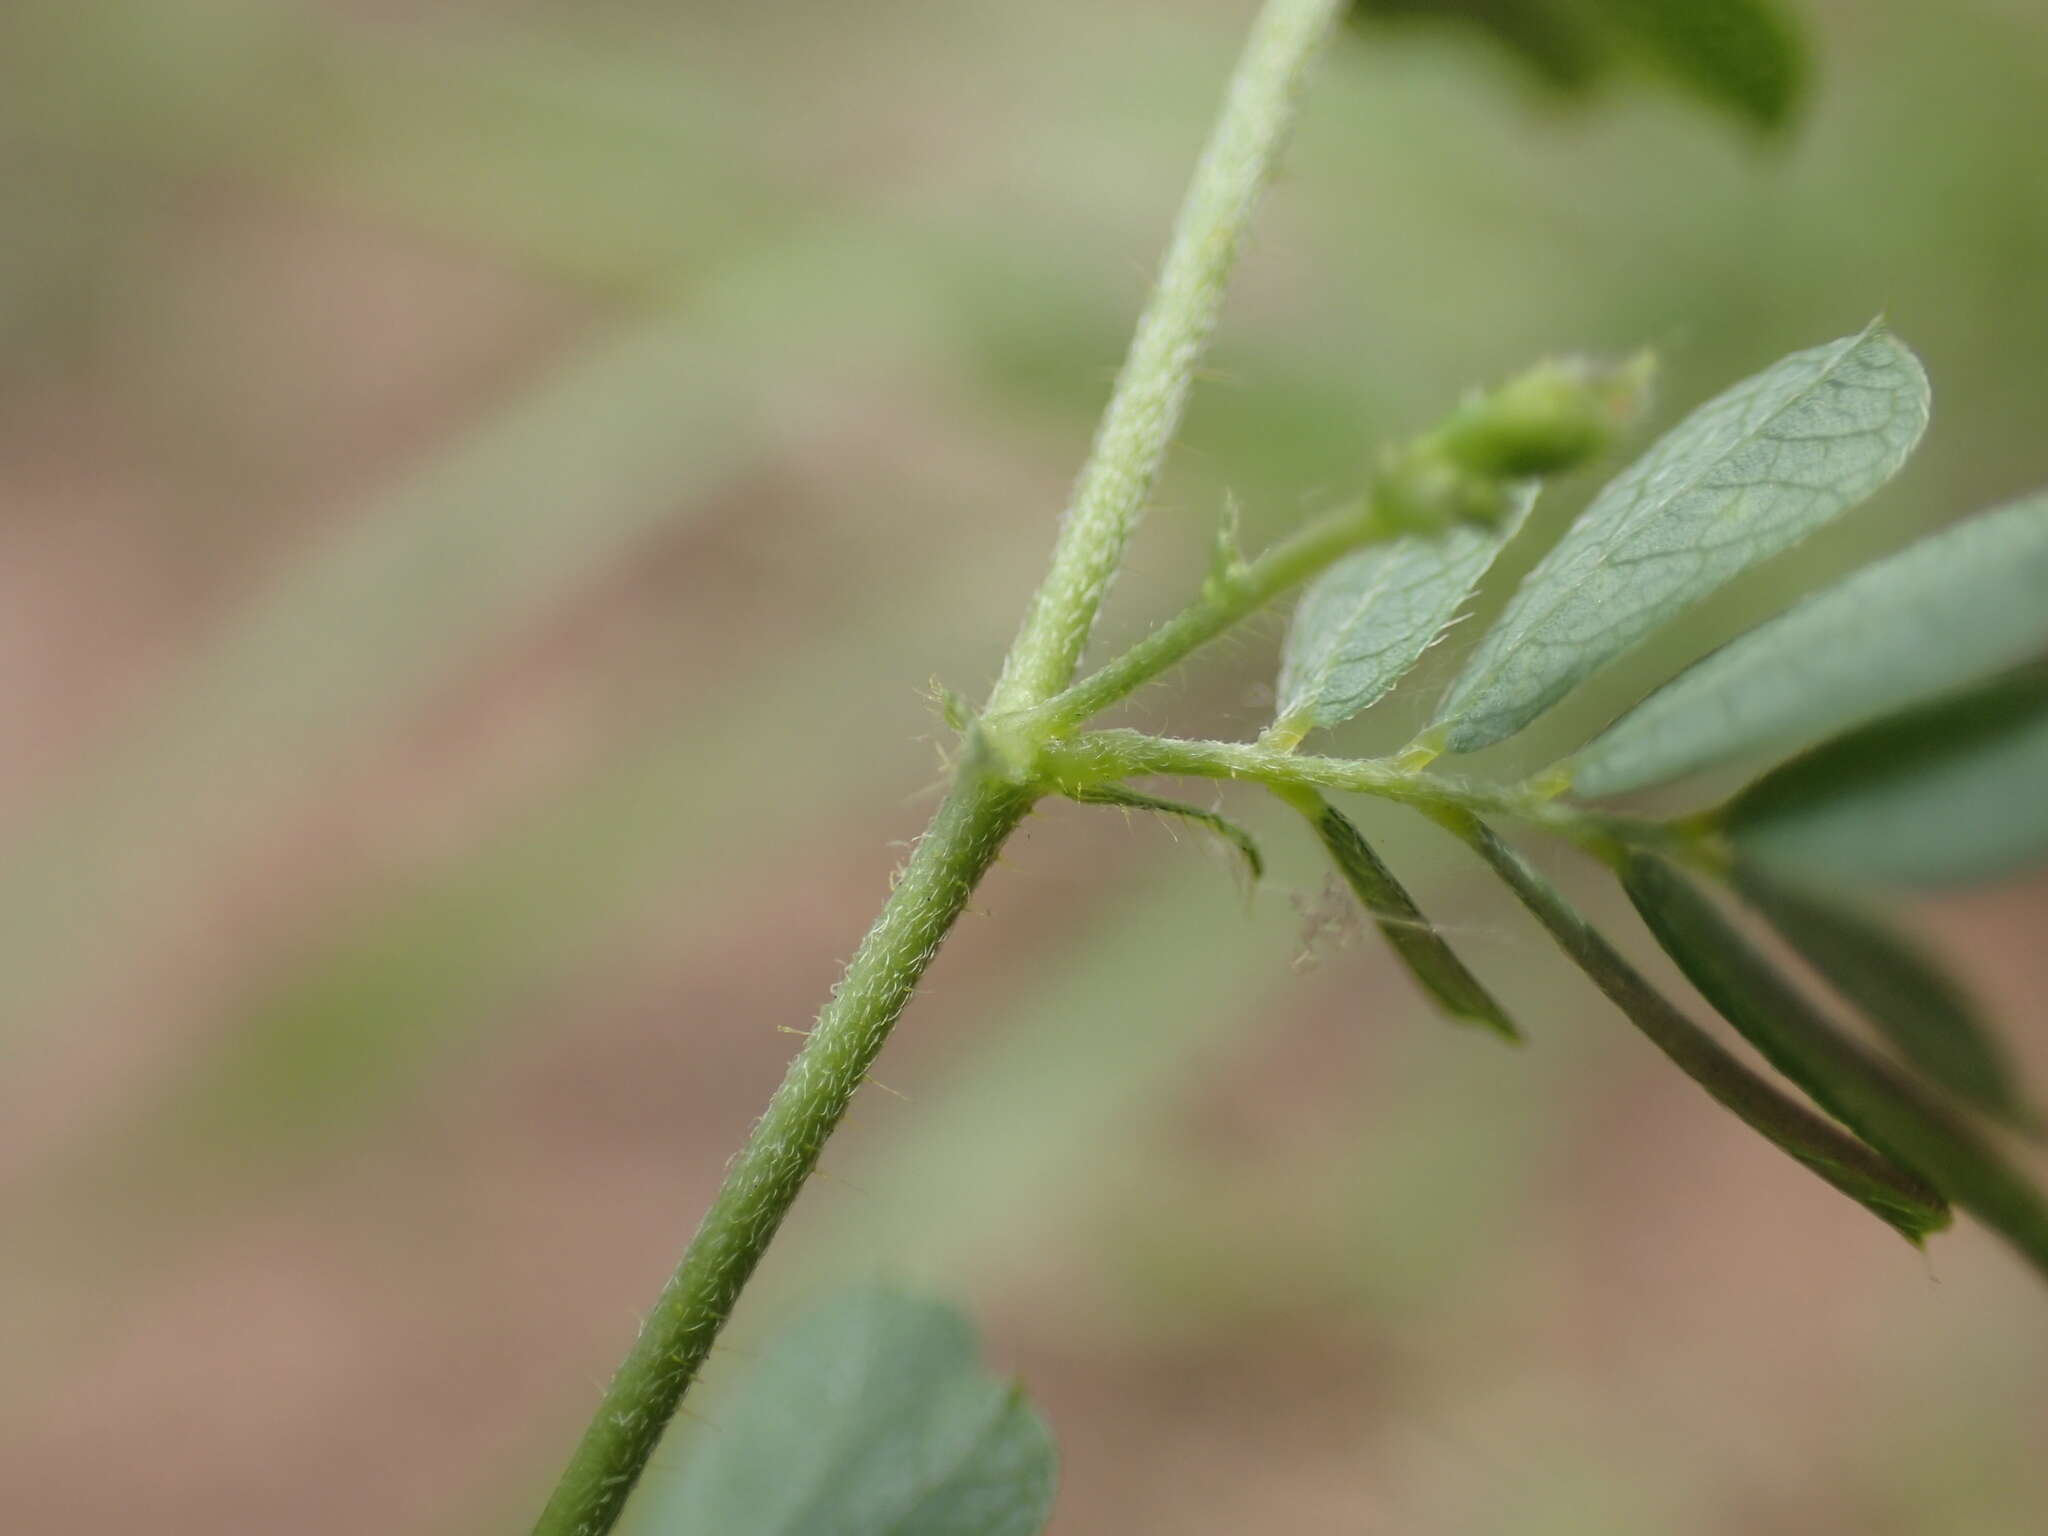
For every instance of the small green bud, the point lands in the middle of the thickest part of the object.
(1554, 418)
(1421, 490)
(1226, 556)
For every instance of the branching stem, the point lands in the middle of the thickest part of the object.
(1109, 756)
(985, 803)
(1229, 597)
(1152, 388)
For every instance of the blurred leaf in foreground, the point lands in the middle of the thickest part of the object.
(1549, 39)
(1744, 56)
(874, 1416)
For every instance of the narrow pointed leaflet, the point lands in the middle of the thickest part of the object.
(1437, 970)
(1868, 1095)
(1132, 800)
(1917, 1006)
(1895, 1195)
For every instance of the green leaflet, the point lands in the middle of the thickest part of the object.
(1862, 1091)
(871, 1417)
(1950, 608)
(1740, 54)
(1435, 966)
(1132, 800)
(1746, 475)
(1367, 619)
(1899, 1198)
(1897, 986)
(1954, 791)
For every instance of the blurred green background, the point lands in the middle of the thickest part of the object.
(484, 487)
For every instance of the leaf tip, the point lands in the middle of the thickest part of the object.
(1497, 1024)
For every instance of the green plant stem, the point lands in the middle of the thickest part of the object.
(1229, 598)
(984, 805)
(1152, 388)
(779, 1156)
(1105, 756)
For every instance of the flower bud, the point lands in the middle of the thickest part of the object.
(1420, 490)
(1551, 419)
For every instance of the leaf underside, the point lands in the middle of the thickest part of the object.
(1742, 478)
(1898, 1197)
(1437, 970)
(1918, 1007)
(873, 1416)
(1366, 621)
(1936, 615)
(1864, 1092)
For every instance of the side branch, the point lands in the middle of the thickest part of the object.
(984, 807)
(1228, 599)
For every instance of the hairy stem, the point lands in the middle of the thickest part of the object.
(1152, 388)
(779, 1156)
(983, 807)
(1102, 756)
(1228, 599)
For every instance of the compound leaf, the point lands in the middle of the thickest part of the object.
(1954, 791)
(1939, 613)
(874, 1416)
(1367, 619)
(1899, 1198)
(1745, 476)
(1435, 966)
(1895, 983)
(1865, 1093)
